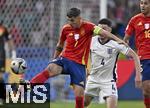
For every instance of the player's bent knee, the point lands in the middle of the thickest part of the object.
(146, 92)
(146, 88)
(78, 90)
(54, 69)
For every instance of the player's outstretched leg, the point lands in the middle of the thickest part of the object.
(51, 71)
(41, 77)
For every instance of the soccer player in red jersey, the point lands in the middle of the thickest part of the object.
(72, 52)
(140, 26)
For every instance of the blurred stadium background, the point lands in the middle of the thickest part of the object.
(35, 26)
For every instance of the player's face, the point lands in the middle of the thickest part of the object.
(74, 21)
(107, 28)
(145, 6)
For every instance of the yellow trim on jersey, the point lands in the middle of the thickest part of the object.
(83, 61)
(76, 44)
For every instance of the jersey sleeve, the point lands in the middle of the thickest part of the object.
(123, 49)
(62, 34)
(91, 27)
(130, 27)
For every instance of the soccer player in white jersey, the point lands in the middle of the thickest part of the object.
(102, 77)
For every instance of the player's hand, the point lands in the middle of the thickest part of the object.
(138, 81)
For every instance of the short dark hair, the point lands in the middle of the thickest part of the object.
(105, 21)
(73, 12)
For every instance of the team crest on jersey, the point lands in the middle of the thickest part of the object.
(76, 37)
(147, 26)
(109, 51)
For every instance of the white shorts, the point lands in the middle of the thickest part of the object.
(102, 90)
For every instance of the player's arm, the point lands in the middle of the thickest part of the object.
(60, 44)
(99, 31)
(59, 48)
(129, 31)
(138, 68)
(126, 38)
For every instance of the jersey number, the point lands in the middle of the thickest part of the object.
(113, 87)
(147, 34)
(102, 62)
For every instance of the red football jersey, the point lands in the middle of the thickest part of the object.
(77, 42)
(140, 26)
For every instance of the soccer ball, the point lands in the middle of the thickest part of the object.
(18, 66)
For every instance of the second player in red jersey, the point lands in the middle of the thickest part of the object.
(140, 25)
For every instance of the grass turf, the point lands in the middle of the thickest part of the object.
(60, 104)
(121, 104)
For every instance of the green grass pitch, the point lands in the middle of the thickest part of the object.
(121, 104)
(66, 104)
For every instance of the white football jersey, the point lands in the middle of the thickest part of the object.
(103, 60)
